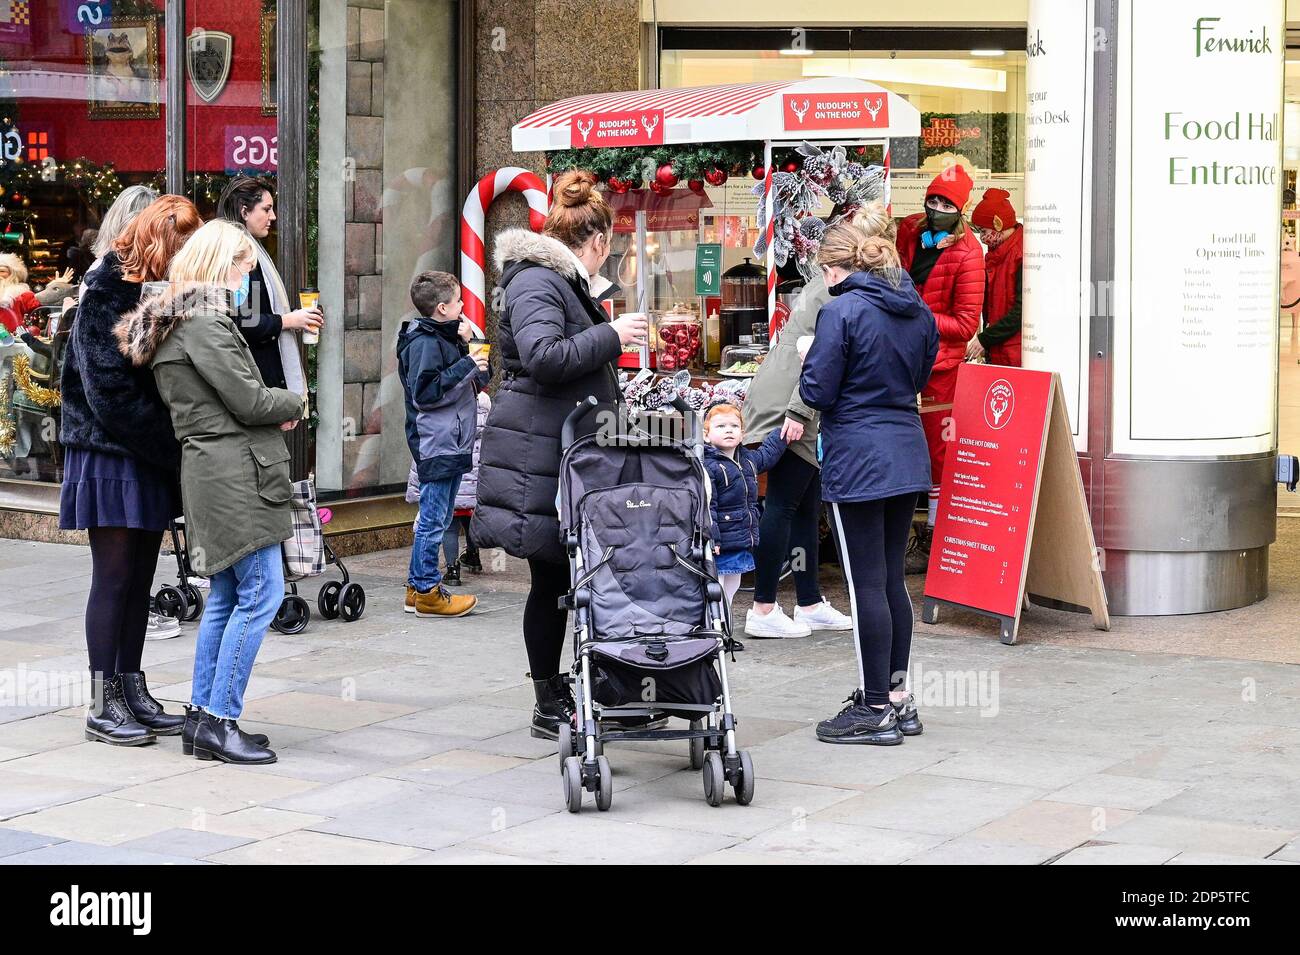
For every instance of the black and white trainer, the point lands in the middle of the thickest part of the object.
(859, 723)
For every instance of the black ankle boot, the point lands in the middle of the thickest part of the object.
(224, 740)
(109, 719)
(554, 706)
(471, 560)
(192, 716)
(451, 577)
(146, 710)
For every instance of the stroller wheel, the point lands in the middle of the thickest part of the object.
(293, 615)
(743, 784)
(605, 784)
(328, 599)
(171, 602)
(714, 779)
(565, 742)
(697, 747)
(193, 600)
(573, 783)
(352, 602)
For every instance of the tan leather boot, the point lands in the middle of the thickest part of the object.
(439, 603)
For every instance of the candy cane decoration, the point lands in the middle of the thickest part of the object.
(771, 230)
(473, 250)
(889, 205)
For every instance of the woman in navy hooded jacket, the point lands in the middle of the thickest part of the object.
(873, 351)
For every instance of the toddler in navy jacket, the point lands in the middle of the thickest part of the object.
(733, 471)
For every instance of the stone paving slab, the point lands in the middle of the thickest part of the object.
(407, 742)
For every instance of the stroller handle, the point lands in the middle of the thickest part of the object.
(571, 422)
(689, 420)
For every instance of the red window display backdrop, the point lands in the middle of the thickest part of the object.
(54, 57)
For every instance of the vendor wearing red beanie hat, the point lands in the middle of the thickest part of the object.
(995, 217)
(945, 260)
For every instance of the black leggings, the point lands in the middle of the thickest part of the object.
(545, 622)
(791, 512)
(873, 542)
(123, 561)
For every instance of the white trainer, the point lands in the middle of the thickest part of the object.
(774, 624)
(161, 627)
(823, 617)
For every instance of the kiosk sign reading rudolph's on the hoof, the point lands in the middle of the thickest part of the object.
(628, 127)
(999, 403)
(835, 111)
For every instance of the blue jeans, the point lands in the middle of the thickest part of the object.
(437, 502)
(241, 604)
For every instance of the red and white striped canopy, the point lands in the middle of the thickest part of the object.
(820, 108)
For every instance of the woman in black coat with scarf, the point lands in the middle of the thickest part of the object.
(120, 472)
(557, 347)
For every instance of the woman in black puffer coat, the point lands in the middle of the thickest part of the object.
(120, 472)
(557, 347)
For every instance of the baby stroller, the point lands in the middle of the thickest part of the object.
(651, 625)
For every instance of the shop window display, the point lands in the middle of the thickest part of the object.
(83, 116)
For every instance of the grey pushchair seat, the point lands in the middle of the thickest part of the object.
(651, 625)
(636, 542)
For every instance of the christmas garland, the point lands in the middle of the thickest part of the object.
(8, 430)
(37, 394)
(634, 165)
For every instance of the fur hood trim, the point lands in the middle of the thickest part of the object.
(142, 331)
(522, 245)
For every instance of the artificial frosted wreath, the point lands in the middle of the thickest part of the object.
(797, 194)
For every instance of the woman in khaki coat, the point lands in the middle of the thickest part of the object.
(234, 472)
(793, 503)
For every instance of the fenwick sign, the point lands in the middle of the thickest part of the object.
(1208, 40)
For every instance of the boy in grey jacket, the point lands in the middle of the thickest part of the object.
(440, 381)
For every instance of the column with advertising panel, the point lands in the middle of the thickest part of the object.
(1169, 313)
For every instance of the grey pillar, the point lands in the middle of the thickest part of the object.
(291, 184)
(174, 97)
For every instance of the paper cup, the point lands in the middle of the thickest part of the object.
(309, 298)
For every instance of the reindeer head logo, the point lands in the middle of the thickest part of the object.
(874, 107)
(584, 129)
(998, 404)
(649, 124)
(799, 111)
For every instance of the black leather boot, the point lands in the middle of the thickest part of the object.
(451, 576)
(146, 710)
(109, 719)
(471, 561)
(554, 706)
(224, 740)
(192, 716)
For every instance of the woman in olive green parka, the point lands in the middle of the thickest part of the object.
(235, 483)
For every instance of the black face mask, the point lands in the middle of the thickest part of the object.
(941, 221)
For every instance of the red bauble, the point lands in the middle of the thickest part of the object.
(616, 185)
(861, 150)
(760, 173)
(791, 166)
(715, 177)
(696, 185)
(665, 176)
(659, 189)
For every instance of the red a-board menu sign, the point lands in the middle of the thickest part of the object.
(1012, 517)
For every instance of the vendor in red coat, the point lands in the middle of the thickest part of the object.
(939, 251)
(1003, 236)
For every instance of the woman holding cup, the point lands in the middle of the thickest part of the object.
(557, 346)
(267, 318)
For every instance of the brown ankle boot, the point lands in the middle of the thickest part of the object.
(439, 603)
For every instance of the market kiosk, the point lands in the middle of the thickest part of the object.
(721, 195)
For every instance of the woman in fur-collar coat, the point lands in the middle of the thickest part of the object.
(557, 347)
